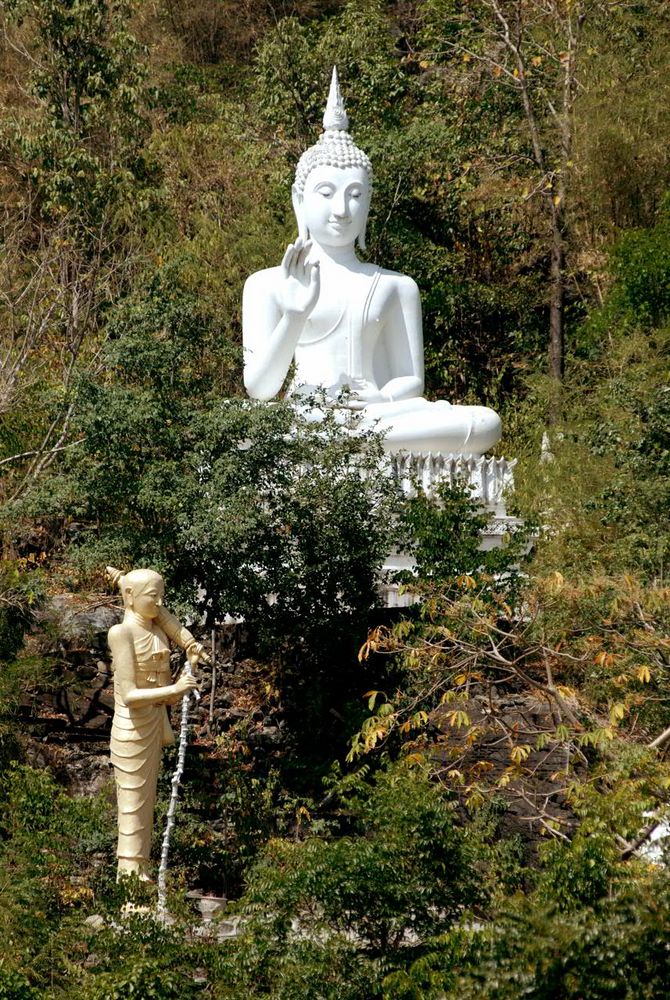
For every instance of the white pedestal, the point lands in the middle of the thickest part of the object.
(490, 480)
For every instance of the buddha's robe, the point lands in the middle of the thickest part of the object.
(359, 347)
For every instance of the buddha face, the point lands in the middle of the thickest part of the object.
(334, 206)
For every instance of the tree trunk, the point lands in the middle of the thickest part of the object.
(556, 311)
(556, 305)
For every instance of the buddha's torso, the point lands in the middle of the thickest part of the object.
(342, 338)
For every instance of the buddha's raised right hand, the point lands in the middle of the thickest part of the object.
(298, 293)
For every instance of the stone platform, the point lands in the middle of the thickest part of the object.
(490, 481)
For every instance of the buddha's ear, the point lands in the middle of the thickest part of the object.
(298, 202)
(361, 235)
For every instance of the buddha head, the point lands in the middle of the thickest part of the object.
(333, 181)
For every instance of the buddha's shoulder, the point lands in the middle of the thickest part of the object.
(402, 283)
(266, 278)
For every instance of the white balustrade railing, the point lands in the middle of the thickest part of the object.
(490, 479)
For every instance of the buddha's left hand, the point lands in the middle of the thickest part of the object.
(362, 394)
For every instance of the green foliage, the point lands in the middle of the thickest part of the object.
(140, 957)
(445, 535)
(21, 591)
(642, 267)
(402, 871)
(233, 501)
(605, 492)
(620, 148)
(14, 986)
(22, 586)
(147, 980)
(84, 149)
(331, 968)
(427, 977)
(293, 57)
(578, 874)
(617, 952)
(226, 815)
(376, 884)
(85, 190)
(51, 851)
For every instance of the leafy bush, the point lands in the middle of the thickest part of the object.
(248, 509)
(616, 952)
(21, 591)
(147, 980)
(444, 535)
(52, 849)
(642, 267)
(402, 869)
(14, 986)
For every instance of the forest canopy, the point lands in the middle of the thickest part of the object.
(454, 800)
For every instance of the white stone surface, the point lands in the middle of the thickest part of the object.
(489, 479)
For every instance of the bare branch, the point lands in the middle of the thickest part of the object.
(629, 849)
(35, 451)
(660, 740)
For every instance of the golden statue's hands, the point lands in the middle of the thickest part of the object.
(197, 653)
(299, 291)
(184, 684)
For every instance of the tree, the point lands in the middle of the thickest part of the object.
(81, 186)
(247, 509)
(535, 48)
(330, 914)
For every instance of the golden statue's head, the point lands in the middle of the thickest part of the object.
(142, 590)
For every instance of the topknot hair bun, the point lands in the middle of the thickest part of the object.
(335, 147)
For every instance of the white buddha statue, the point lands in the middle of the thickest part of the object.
(348, 326)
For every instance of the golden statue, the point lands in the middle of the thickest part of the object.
(143, 689)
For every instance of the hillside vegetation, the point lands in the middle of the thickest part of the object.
(456, 804)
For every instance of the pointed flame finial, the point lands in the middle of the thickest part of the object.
(335, 117)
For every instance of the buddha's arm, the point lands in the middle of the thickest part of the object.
(275, 306)
(269, 340)
(123, 661)
(404, 340)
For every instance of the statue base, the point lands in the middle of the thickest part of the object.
(490, 481)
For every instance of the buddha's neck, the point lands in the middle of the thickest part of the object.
(337, 256)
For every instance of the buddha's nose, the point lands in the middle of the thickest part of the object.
(339, 208)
